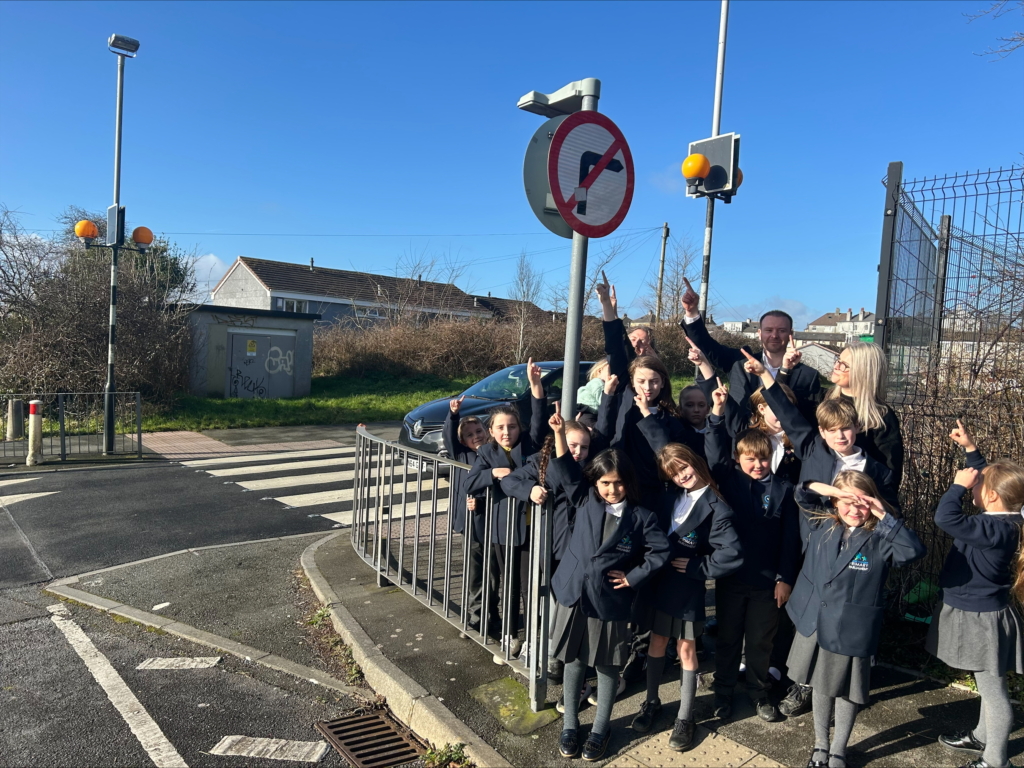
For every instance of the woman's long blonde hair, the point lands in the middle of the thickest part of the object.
(867, 383)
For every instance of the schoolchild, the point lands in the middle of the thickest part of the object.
(859, 376)
(976, 626)
(507, 450)
(615, 546)
(747, 603)
(462, 438)
(832, 447)
(695, 399)
(704, 545)
(588, 397)
(837, 603)
(775, 332)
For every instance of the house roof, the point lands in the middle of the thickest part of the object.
(506, 308)
(357, 286)
(832, 318)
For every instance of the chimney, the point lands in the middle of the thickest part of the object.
(488, 294)
(849, 314)
(419, 279)
(861, 315)
(476, 302)
(310, 264)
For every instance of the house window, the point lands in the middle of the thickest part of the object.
(294, 305)
(368, 312)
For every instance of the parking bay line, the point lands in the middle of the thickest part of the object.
(271, 749)
(160, 750)
(250, 458)
(181, 662)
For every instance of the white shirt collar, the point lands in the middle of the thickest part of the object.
(778, 449)
(684, 506)
(615, 510)
(855, 461)
(774, 371)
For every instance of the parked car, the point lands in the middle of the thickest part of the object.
(421, 428)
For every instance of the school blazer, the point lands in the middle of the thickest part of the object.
(492, 456)
(458, 452)
(764, 514)
(709, 539)
(520, 483)
(802, 379)
(838, 593)
(637, 546)
(816, 459)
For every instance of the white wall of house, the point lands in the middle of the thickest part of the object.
(241, 289)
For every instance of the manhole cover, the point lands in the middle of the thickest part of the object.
(371, 740)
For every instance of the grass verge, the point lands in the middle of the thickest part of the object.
(332, 400)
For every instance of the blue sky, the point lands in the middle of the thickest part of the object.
(397, 122)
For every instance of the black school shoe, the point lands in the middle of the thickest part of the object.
(797, 701)
(979, 763)
(963, 741)
(556, 668)
(812, 763)
(649, 710)
(723, 706)
(596, 746)
(766, 710)
(682, 735)
(569, 743)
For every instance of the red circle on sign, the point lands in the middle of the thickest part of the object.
(567, 206)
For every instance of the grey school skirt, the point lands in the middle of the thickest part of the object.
(977, 642)
(574, 635)
(829, 673)
(667, 625)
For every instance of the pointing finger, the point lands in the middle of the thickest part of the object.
(604, 277)
(690, 287)
(719, 382)
(748, 356)
(693, 345)
(960, 425)
(558, 408)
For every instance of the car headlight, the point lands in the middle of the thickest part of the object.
(434, 438)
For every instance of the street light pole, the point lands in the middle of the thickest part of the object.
(115, 240)
(716, 120)
(661, 275)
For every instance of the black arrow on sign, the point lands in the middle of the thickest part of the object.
(588, 161)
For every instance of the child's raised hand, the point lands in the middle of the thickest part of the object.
(719, 395)
(455, 404)
(873, 504)
(533, 372)
(611, 384)
(793, 355)
(753, 365)
(556, 422)
(606, 293)
(618, 578)
(641, 403)
(538, 494)
(962, 437)
(690, 300)
(695, 356)
(967, 477)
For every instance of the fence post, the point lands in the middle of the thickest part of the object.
(138, 423)
(893, 180)
(60, 422)
(15, 419)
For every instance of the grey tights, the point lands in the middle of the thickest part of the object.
(572, 684)
(996, 720)
(846, 714)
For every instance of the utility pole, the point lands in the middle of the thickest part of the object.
(661, 273)
(716, 121)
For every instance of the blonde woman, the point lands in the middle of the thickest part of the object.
(859, 376)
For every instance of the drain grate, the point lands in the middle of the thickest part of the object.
(371, 740)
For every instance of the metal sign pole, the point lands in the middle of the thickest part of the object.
(716, 121)
(574, 314)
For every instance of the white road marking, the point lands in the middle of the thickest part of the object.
(195, 662)
(272, 749)
(285, 482)
(18, 480)
(15, 498)
(160, 606)
(160, 750)
(312, 499)
(58, 608)
(249, 458)
(345, 518)
(274, 468)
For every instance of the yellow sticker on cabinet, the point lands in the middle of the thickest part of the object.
(250, 348)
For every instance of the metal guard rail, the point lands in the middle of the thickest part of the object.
(401, 512)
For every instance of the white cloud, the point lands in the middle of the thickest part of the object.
(209, 270)
(801, 313)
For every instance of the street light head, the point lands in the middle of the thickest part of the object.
(696, 167)
(739, 179)
(123, 46)
(86, 231)
(143, 238)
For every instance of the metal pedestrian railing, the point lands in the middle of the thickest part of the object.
(402, 527)
(72, 424)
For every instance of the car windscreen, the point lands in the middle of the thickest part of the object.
(507, 384)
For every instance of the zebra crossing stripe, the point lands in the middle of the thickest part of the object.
(239, 471)
(286, 482)
(195, 662)
(271, 749)
(313, 499)
(250, 458)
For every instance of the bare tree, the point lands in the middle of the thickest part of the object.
(680, 265)
(594, 270)
(525, 291)
(1011, 42)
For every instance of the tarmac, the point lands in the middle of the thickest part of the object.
(236, 598)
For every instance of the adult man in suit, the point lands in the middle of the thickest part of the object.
(779, 357)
